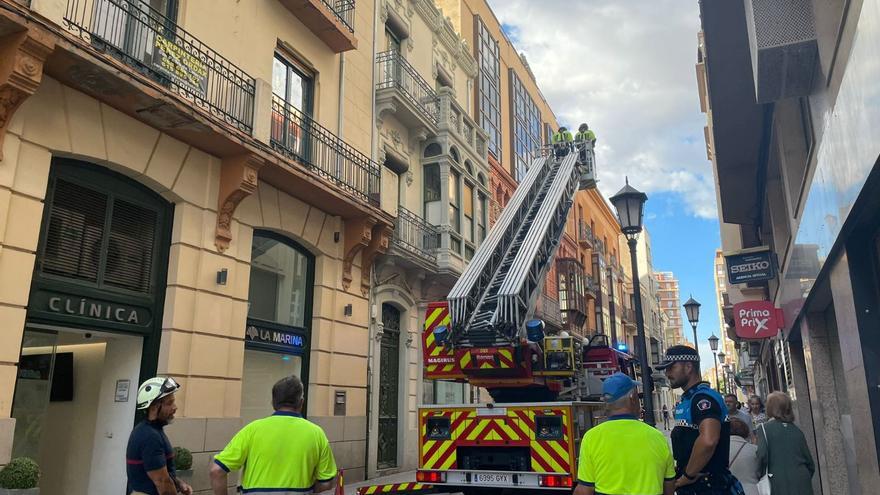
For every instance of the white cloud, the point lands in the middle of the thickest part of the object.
(626, 68)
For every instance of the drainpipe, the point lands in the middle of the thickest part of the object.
(340, 110)
(373, 280)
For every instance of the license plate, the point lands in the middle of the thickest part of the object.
(494, 479)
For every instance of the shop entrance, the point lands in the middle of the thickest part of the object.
(74, 403)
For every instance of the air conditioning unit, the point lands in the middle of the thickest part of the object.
(784, 48)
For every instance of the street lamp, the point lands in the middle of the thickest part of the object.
(692, 309)
(713, 344)
(630, 206)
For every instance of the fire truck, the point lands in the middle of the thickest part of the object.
(544, 389)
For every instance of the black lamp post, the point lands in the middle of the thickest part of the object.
(630, 206)
(713, 344)
(692, 308)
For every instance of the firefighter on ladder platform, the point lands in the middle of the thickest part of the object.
(562, 142)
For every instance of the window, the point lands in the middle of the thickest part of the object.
(489, 84)
(481, 217)
(525, 120)
(432, 193)
(279, 287)
(468, 212)
(392, 40)
(293, 84)
(454, 201)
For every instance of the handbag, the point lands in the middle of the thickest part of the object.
(764, 482)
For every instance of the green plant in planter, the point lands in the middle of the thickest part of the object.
(20, 473)
(183, 459)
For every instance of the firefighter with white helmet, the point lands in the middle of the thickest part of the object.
(149, 457)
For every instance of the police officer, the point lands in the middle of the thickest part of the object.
(701, 436)
(149, 458)
(282, 453)
(561, 140)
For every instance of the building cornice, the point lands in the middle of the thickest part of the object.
(445, 32)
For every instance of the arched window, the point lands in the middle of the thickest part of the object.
(469, 167)
(455, 156)
(432, 149)
(279, 319)
(481, 179)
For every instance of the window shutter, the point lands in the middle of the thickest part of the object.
(130, 251)
(75, 232)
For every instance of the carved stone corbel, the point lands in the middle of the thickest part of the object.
(358, 235)
(21, 69)
(238, 180)
(379, 242)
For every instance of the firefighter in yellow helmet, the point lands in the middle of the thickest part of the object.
(585, 134)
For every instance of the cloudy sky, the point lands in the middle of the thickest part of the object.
(627, 68)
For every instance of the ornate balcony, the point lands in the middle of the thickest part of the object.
(590, 287)
(585, 235)
(297, 136)
(402, 91)
(414, 240)
(455, 121)
(332, 21)
(155, 46)
(628, 316)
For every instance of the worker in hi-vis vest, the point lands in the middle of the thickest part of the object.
(585, 134)
(562, 141)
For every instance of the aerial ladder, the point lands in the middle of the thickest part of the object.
(544, 388)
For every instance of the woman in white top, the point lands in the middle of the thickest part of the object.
(743, 456)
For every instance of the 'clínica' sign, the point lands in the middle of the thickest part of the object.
(750, 265)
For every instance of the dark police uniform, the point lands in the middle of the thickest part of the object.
(698, 403)
(148, 450)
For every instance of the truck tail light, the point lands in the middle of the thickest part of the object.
(430, 477)
(555, 481)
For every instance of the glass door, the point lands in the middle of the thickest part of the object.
(32, 391)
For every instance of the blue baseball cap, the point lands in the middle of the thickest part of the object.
(616, 386)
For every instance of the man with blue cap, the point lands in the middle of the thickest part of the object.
(623, 455)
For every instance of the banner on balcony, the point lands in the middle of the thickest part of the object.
(186, 69)
(757, 319)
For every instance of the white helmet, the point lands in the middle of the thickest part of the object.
(155, 388)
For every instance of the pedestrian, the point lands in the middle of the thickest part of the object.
(279, 453)
(743, 456)
(701, 435)
(734, 410)
(149, 457)
(665, 417)
(623, 455)
(756, 411)
(561, 140)
(782, 450)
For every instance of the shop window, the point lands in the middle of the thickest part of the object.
(279, 319)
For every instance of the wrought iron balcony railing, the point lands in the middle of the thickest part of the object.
(396, 73)
(414, 235)
(344, 10)
(299, 137)
(585, 234)
(157, 47)
(547, 309)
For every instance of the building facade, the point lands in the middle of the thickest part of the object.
(183, 195)
(670, 304)
(794, 156)
(728, 353)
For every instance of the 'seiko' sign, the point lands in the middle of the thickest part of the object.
(750, 266)
(184, 68)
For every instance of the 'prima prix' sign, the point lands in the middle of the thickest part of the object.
(756, 319)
